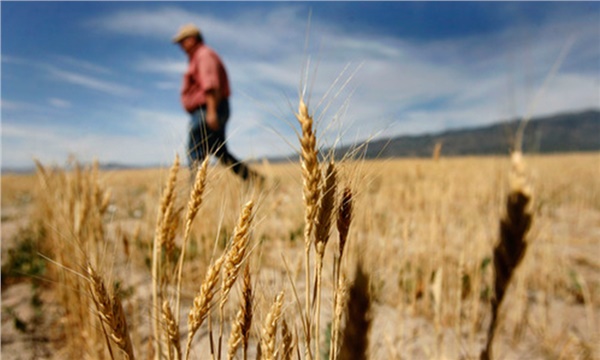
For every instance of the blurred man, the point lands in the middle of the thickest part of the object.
(205, 96)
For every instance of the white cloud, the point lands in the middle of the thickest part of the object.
(160, 136)
(83, 64)
(10, 105)
(59, 103)
(91, 82)
(165, 67)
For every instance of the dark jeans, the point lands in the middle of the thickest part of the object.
(203, 141)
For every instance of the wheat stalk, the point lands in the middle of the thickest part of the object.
(322, 231)
(512, 245)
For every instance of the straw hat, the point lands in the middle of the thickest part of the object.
(185, 31)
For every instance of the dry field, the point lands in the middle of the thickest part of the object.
(95, 263)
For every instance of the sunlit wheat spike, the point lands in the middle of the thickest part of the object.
(240, 332)
(310, 168)
(235, 255)
(163, 238)
(325, 209)
(111, 313)
(235, 338)
(172, 221)
(355, 336)
(172, 328)
(194, 203)
(512, 244)
(269, 331)
(197, 193)
(202, 302)
(168, 194)
(311, 178)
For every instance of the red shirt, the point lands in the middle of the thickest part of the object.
(205, 72)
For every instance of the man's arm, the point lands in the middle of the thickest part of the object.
(212, 102)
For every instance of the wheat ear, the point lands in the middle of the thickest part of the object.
(120, 331)
(240, 332)
(233, 261)
(172, 329)
(269, 331)
(311, 176)
(202, 302)
(235, 255)
(166, 202)
(355, 338)
(111, 313)
(511, 246)
(193, 206)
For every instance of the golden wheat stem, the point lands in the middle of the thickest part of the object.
(318, 307)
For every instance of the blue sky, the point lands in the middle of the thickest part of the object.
(101, 79)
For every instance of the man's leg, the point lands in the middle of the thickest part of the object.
(219, 146)
(197, 144)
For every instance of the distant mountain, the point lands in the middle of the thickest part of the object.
(557, 133)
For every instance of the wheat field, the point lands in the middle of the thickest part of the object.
(401, 259)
